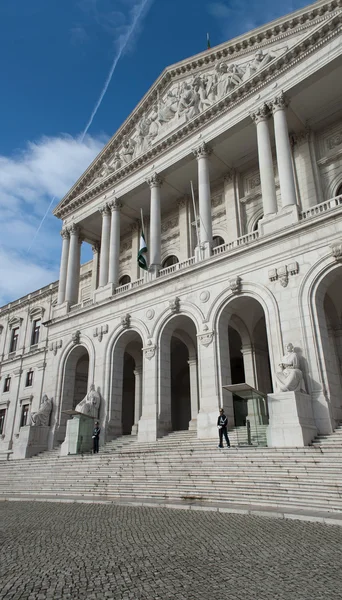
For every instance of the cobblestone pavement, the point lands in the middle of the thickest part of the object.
(93, 551)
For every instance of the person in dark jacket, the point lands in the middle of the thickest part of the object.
(222, 424)
(96, 435)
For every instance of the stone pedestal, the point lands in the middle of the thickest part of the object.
(286, 217)
(104, 292)
(32, 440)
(78, 437)
(291, 420)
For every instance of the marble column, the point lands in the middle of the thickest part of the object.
(137, 398)
(95, 267)
(135, 230)
(247, 352)
(267, 181)
(105, 238)
(74, 265)
(114, 245)
(284, 157)
(202, 154)
(155, 183)
(64, 265)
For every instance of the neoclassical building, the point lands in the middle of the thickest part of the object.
(253, 263)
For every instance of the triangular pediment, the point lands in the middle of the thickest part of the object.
(189, 89)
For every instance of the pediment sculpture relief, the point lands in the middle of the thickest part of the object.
(182, 102)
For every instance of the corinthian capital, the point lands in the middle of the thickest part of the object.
(74, 229)
(104, 209)
(279, 102)
(260, 114)
(115, 204)
(154, 181)
(65, 233)
(202, 150)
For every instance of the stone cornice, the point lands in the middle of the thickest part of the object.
(29, 299)
(329, 28)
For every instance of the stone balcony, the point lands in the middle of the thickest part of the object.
(324, 210)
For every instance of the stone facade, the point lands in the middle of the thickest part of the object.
(253, 263)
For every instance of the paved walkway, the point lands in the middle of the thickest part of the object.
(101, 551)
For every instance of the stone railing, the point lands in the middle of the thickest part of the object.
(177, 266)
(129, 286)
(241, 241)
(323, 207)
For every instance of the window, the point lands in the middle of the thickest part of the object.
(256, 224)
(169, 261)
(24, 414)
(14, 339)
(35, 332)
(339, 191)
(29, 378)
(7, 384)
(217, 241)
(124, 280)
(2, 419)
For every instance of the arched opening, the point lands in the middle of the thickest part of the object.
(339, 191)
(178, 387)
(124, 280)
(243, 358)
(329, 311)
(126, 387)
(217, 241)
(256, 224)
(169, 261)
(75, 384)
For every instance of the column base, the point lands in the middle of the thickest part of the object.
(135, 428)
(153, 271)
(147, 430)
(291, 421)
(286, 217)
(60, 310)
(207, 425)
(104, 292)
(193, 425)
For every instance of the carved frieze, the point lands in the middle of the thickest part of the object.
(235, 285)
(336, 250)
(100, 331)
(217, 200)
(205, 339)
(126, 321)
(174, 305)
(282, 273)
(170, 224)
(150, 350)
(54, 346)
(76, 337)
(334, 141)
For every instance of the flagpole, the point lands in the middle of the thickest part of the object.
(195, 213)
(142, 222)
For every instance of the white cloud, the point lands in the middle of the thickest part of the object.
(28, 180)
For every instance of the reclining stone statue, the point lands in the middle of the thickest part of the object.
(90, 404)
(42, 417)
(290, 376)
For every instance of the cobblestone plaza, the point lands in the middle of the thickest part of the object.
(96, 551)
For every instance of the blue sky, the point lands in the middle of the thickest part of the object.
(55, 56)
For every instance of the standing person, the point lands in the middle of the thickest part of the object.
(222, 424)
(96, 435)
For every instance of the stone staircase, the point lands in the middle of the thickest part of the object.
(180, 468)
(334, 440)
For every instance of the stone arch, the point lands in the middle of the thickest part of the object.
(188, 309)
(334, 186)
(177, 355)
(129, 342)
(316, 341)
(75, 379)
(241, 311)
